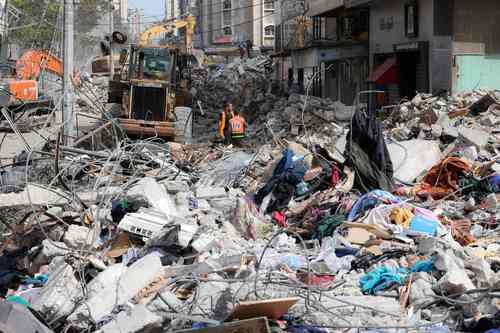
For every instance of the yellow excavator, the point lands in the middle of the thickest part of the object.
(156, 31)
(153, 84)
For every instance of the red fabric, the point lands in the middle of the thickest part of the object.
(280, 219)
(335, 177)
(385, 73)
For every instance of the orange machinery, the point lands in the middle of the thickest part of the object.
(23, 87)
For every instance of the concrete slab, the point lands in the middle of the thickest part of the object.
(61, 294)
(140, 319)
(411, 158)
(476, 137)
(135, 278)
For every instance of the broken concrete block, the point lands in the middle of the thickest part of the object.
(224, 205)
(446, 124)
(488, 120)
(110, 276)
(491, 202)
(56, 211)
(207, 192)
(470, 153)
(421, 289)
(484, 276)
(204, 243)
(455, 281)
(61, 294)
(53, 249)
(447, 260)
(186, 233)
(17, 318)
(203, 205)
(77, 237)
(135, 278)
(412, 158)
(476, 137)
(139, 319)
(164, 302)
(175, 187)
(156, 195)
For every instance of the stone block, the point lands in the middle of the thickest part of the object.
(455, 281)
(208, 192)
(139, 319)
(59, 297)
(476, 137)
(174, 187)
(135, 278)
(77, 237)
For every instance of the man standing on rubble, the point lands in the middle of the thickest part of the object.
(238, 125)
(225, 122)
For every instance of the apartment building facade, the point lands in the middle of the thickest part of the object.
(223, 25)
(341, 47)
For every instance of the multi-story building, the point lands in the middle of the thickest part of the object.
(3, 17)
(327, 46)
(135, 19)
(291, 29)
(341, 47)
(121, 11)
(223, 25)
(433, 45)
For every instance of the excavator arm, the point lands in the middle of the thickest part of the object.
(30, 65)
(151, 33)
(188, 23)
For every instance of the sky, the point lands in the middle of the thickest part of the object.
(152, 8)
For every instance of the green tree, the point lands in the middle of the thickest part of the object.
(38, 25)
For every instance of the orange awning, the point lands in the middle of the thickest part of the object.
(385, 73)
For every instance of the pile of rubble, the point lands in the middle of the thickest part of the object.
(245, 83)
(334, 221)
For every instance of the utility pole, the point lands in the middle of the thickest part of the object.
(67, 110)
(111, 28)
(5, 33)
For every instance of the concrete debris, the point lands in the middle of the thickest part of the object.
(210, 192)
(59, 297)
(411, 158)
(475, 137)
(324, 216)
(132, 280)
(79, 237)
(139, 319)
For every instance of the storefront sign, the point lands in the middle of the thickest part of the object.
(354, 3)
(407, 47)
(223, 40)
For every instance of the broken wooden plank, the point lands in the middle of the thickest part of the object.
(270, 308)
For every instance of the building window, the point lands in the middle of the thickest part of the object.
(411, 19)
(269, 31)
(269, 5)
(227, 19)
